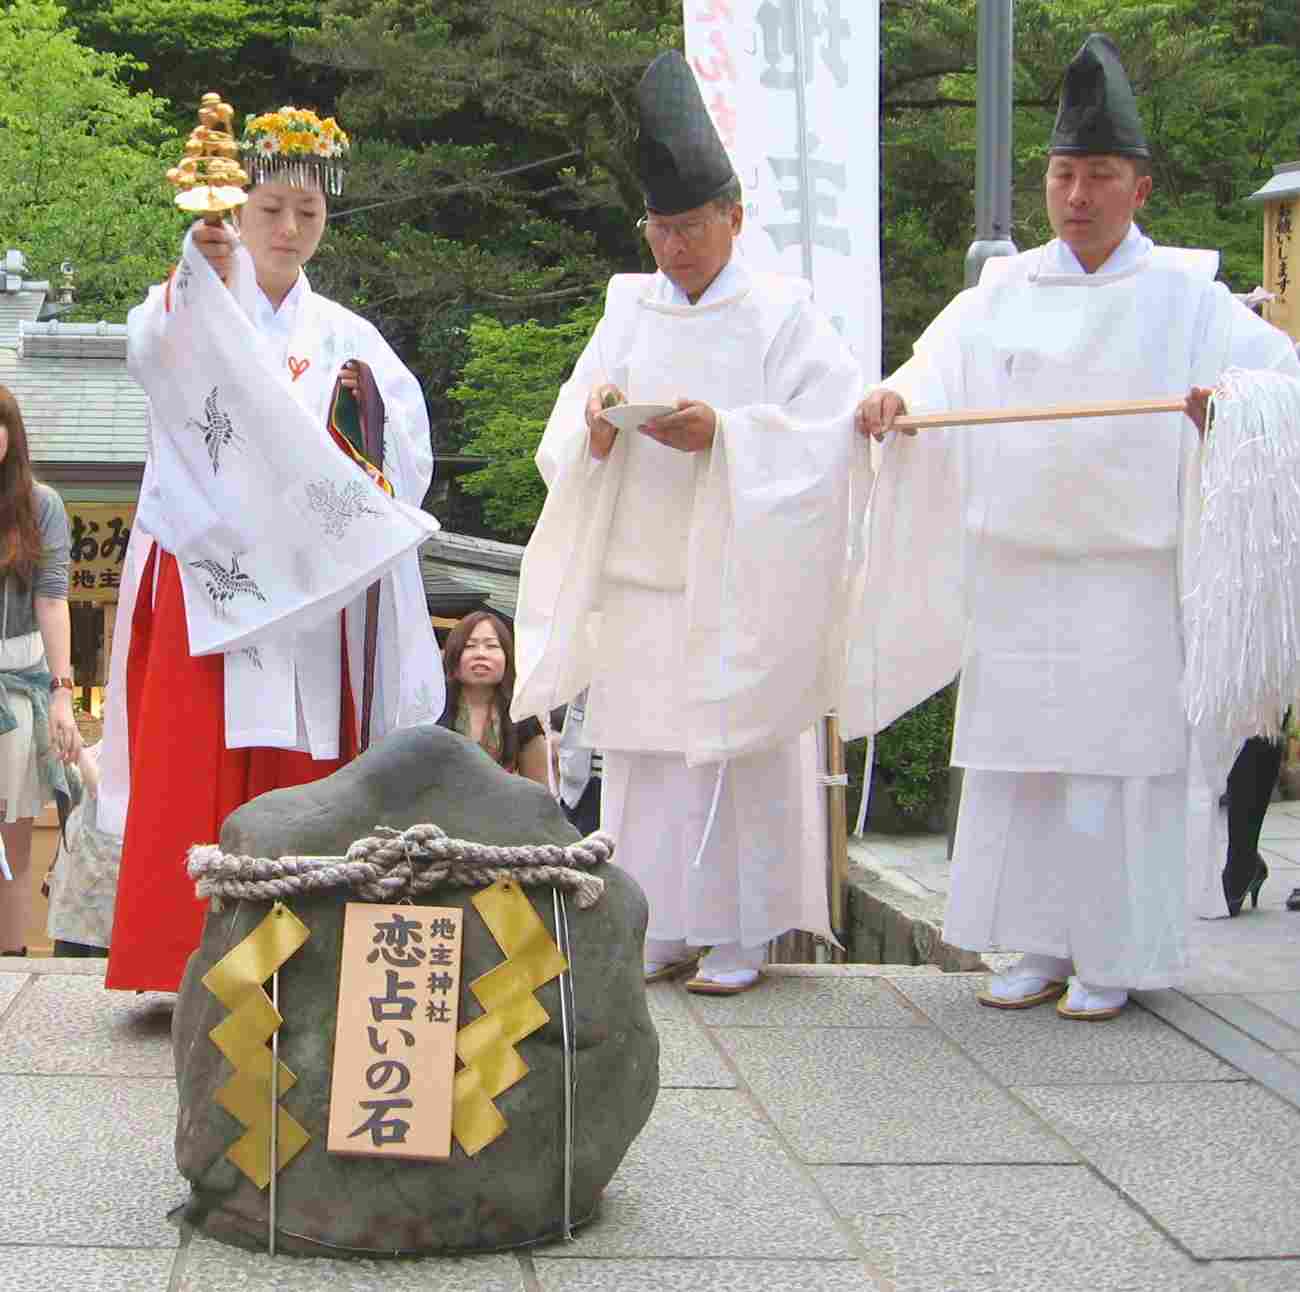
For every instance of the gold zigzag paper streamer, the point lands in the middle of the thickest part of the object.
(236, 981)
(487, 1045)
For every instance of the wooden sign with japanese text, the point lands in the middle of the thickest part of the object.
(97, 548)
(395, 1038)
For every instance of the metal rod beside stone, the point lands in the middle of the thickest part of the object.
(565, 985)
(275, 1118)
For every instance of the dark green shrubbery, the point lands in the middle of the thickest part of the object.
(911, 766)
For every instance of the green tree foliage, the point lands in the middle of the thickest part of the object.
(81, 162)
(508, 388)
(1218, 87)
(178, 49)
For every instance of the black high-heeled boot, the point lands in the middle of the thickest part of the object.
(1250, 787)
(1237, 897)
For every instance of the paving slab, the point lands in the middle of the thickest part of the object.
(809, 1002)
(884, 1095)
(704, 1276)
(1254, 1019)
(94, 1269)
(99, 1032)
(688, 1059)
(667, 1002)
(1007, 1229)
(1254, 953)
(75, 966)
(10, 985)
(706, 1179)
(1282, 1004)
(1038, 1047)
(104, 1175)
(209, 1266)
(1213, 1164)
(1260, 1276)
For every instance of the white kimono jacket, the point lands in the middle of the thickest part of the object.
(274, 529)
(754, 533)
(1047, 561)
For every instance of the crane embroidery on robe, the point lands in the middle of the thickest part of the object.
(218, 430)
(224, 585)
(338, 508)
(254, 657)
(183, 278)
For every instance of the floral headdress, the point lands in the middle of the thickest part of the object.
(295, 146)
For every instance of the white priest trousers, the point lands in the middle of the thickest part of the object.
(763, 870)
(1088, 868)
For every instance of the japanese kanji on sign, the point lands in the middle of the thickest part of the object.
(395, 1039)
(99, 536)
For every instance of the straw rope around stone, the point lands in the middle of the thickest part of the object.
(391, 865)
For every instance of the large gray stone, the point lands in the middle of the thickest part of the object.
(511, 1192)
(412, 776)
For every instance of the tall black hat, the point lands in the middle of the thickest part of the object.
(1098, 112)
(679, 158)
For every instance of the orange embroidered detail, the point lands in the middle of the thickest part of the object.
(298, 366)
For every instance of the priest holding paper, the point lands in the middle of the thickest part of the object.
(272, 616)
(688, 567)
(1047, 562)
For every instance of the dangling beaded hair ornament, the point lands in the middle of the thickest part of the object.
(296, 147)
(1242, 611)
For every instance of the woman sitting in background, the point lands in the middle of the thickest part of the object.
(479, 661)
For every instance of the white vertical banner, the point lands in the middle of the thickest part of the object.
(793, 89)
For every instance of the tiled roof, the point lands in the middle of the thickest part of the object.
(462, 572)
(72, 340)
(78, 409)
(18, 307)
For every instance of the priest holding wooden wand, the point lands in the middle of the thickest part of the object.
(1049, 563)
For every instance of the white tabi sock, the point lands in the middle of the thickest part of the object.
(1087, 999)
(1028, 976)
(732, 965)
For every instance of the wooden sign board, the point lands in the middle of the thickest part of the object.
(395, 1038)
(97, 548)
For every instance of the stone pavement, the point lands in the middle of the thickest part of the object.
(856, 1129)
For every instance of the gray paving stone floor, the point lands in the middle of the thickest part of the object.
(854, 1129)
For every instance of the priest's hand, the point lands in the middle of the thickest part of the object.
(216, 244)
(603, 433)
(1197, 405)
(350, 376)
(876, 413)
(690, 429)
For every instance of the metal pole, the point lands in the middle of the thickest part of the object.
(993, 100)
(993, 131)
(567, 1026)
(275, 1118)
(837, 830)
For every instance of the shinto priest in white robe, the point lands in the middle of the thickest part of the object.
(1047, 562)
(701, 595)
(274, 529)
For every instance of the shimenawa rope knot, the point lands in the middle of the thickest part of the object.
(391, 865)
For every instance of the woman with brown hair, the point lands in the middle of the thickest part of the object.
(38, 733)
(479, 661)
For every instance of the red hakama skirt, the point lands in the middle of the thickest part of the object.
(184, 782)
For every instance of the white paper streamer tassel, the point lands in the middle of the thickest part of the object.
(1242, 612)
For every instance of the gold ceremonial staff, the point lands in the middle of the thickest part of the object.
(210, 179)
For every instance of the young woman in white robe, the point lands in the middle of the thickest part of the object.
(242, 662)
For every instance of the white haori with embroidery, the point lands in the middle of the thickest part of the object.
(253, 498)
(275, 530)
